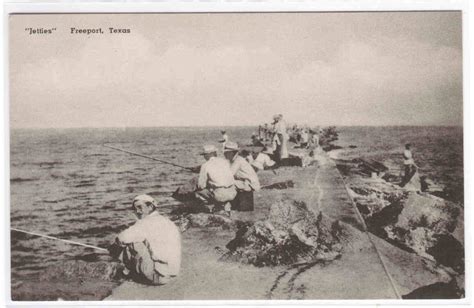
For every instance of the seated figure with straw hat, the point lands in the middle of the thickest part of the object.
(246, 180)
(151, 248)
(263, 160)
(216, 182)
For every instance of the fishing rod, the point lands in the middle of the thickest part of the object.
(59, 239)
(285, 183)
(149, 157)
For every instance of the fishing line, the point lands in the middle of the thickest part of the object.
(59, 239)
(364, 226)
(149, 157)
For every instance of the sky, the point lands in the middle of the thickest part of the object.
(386, 68)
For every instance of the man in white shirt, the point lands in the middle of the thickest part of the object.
(263, 160)
(282, 135)
(245, 177)
(152, 246)
(304, 138)
(216, 181)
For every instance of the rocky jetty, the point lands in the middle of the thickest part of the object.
(71, 280)
(415, 221)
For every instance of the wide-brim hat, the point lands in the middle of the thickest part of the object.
(208, 149)
(231, 147)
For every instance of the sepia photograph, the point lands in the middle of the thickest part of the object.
(236, 156)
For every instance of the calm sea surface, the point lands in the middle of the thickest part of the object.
(64, 183)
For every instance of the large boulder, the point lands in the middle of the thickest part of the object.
(427, 224)
(418, 222)
(291, 234)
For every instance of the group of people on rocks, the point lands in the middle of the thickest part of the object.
(278, 134)
(151, 248)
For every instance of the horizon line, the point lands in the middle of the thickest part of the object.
(237, 126)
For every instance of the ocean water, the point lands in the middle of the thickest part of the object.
(64, 183)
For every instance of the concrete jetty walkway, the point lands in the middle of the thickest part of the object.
(358, 274)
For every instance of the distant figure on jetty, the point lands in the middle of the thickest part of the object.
(315, 140)
(263, 160)
(216, 180)
(409, 164)
(279, 127)
(267, 132)
(151, 248)
(256, 140)
(304, 138)
(224, 139)
(245, 177)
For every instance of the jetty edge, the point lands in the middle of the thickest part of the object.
(359, 273)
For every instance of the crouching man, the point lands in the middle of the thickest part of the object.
(216, 182)
(246, 180)
(245, 177)
(151, 248)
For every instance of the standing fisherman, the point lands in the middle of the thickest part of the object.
(409, 163)
(282, 135)
(151, 248)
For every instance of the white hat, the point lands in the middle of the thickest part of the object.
(145, 198)
(208, 149)
(231, 146)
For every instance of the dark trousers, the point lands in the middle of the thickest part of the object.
(410, 170)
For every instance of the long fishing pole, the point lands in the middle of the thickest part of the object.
(59, 239)
(149, 157)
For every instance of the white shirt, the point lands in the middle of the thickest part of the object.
(242, 170)
(162, 238)
(262, 161)
(304, 137)
(408, 158)
(280, 127)
(215, 173)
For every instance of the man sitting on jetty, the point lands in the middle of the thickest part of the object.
(255, 141)
(216, 181)
(151, 248)
(304, 138)
(263, 160)
(245, 177)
